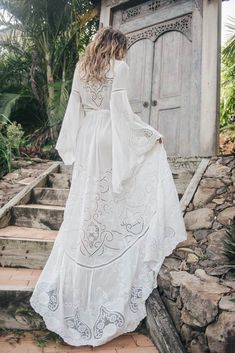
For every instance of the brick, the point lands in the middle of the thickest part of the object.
(53, 347)
(35, 273)
(6, 272)
(138, 350)
(124, 341)
(24, 275)
(7, 347)
(142, 340)
(102, 350)
(32, 283)
(7, 282)
(82, 349)
(20, 347)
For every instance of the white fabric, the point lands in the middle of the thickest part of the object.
(122, 217)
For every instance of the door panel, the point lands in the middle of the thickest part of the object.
(140, 61)
(168, 125)
(170, 64)
(170, 89)
(162, 36)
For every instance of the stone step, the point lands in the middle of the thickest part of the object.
(37, 216)
(49, 196)
(59, 181)
(16, 286)
(181, 182)
(25, 247)
(67, 169)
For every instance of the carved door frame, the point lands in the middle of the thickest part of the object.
(210, 12)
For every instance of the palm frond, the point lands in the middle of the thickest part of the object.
(7, 102)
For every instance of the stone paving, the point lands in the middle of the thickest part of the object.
(128, 343)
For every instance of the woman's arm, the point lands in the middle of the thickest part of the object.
(67, 140)
(132, 137)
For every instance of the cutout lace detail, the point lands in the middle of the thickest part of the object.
(106, 318)
(136, 295)
(97, 90)
(75, 323)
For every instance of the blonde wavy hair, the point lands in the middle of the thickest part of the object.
(108, 44)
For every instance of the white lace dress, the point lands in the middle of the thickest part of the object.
(122, 217)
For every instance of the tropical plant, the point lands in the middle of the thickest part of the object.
(228, 79)
(48, 35)
(11, 139)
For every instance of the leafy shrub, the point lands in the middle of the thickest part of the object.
(15, 135)
(11, 139)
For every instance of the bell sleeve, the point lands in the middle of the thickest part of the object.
(132, 138)
(74, 114)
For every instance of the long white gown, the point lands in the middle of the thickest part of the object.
(122, 217)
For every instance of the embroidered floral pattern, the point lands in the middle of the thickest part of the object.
(136, 294)
(99, 238)
(75, 323)
(96, 90)
(53, 299)
(106, 318)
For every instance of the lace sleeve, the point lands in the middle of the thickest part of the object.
(132, 138)
(67, 140)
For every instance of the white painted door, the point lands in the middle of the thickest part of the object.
(170, 99)
(164, 60)
(140, 60)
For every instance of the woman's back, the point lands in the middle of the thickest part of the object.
(122, 215)
(97, 95)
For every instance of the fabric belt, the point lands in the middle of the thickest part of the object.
(96, 110)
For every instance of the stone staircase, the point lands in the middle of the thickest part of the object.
(26, 243)
(27, 240)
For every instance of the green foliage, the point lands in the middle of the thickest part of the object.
(7, 103)
(42, 341)
(11, 138)
(41, 42)
(229, 244)
(15, 137)
(5, 165)
(6, 331)
(228, 78)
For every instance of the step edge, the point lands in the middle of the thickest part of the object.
(15, 288)
(31, 206)
(27, 239)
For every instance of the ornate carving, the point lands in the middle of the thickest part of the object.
(181, 24)
(130, 13)
(155, 4)
(142, 9)
(199, 6)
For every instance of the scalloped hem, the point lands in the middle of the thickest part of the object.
(130, 327)
(71, 342)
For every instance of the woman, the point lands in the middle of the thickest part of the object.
(122, 216)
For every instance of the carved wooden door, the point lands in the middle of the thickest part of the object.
(164, 61)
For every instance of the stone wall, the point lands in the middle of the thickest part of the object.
(196, 281)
